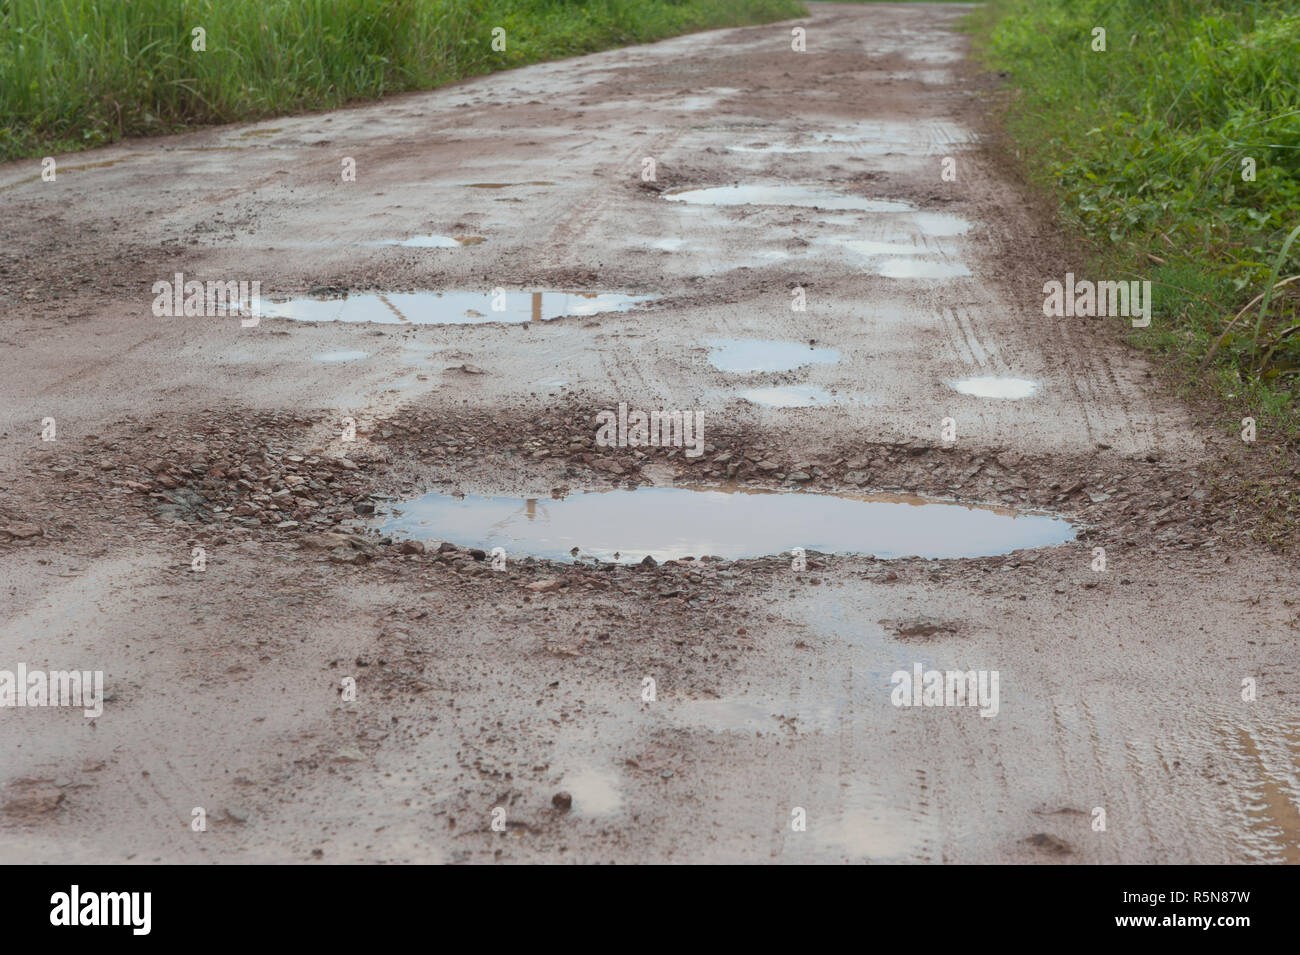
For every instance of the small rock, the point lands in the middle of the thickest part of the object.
(562, 801)
(545, 585)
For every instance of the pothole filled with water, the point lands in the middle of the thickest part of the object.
(625, 526)
(741, 357)
(784, 195)
(450, 308)
(994, 387)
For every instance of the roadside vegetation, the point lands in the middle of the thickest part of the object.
(80, 73)
(1176, 152)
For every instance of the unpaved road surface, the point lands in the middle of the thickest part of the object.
(226, 688)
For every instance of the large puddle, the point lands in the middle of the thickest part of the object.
(625, 526)
(741, 357)
(450, 308)
(811, 196)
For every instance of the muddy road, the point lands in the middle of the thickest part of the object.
(717, 224)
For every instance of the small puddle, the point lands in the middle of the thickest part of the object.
(993, 387)
(903, 268)
(624, 526)
(450, 308)
(433, 241)
(746, 357)
(338, 356)
(785, 196)
(261, 132)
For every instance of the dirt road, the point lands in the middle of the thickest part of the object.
(194, 442)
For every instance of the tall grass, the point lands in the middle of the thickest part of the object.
(79, 73)
(1144, 144)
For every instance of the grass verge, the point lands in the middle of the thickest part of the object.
(1175, 151)
(80, 73)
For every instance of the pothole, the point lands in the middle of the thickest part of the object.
(626, 526)
(450, 308)
(741, 357)
(994, 387)
(785, 195)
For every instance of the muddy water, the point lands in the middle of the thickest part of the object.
(667, 523)
(742, 357)
(775, 195)
(449, 308)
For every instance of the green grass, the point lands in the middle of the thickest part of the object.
(1143, 146)
(80, 73)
